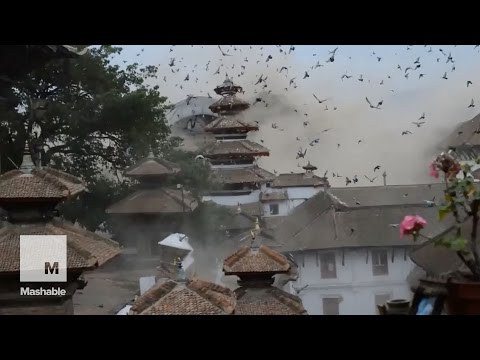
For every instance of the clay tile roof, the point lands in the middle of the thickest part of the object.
(263, 260)
(238, 147)
(152, 166)
(227, 103)
(253, 174)
(155, 201)
(267, 301)
(45, 183)
(196, 297)
(85, 250)
(230, 122)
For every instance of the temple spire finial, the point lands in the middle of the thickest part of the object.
(27, 163)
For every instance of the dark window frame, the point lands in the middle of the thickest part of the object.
(326, 259)
(380, 267)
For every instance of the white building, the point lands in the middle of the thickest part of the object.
(350, 257)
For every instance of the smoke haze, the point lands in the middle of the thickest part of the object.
(404, 157)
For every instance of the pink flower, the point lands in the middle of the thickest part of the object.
(411, 225)
(434, 170)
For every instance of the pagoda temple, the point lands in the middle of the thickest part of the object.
(154, 211)
(256, 295)
(185, 297)
(29, 197)
(232, 157)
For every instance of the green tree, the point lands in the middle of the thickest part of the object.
(88, 117)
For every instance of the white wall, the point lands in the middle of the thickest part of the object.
(283, 208)
(355, 282)
(254, 196)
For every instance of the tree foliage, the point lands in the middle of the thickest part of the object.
(89, 115)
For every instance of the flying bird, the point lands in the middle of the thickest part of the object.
(223, 53)
(371, 180)
(471, 104)
(406, 132)
(345, 76)
(347, 181)
(301, 153)
(374, 107)
(376, 168)
(420, 76)
(306, 75)
(418, 123)
(319, 101)
(469, 83)
(445, 76)
(422, 117)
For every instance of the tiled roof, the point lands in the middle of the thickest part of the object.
(196, 297)
(252, 174)
(389, 195)
(155, 201)
(237, 147)
(261, 260)
(230, 102)
(152, 166)
(230, 122)
(293, 180)
(322, 222)
(267, 301)
(85, 250)
(41, 183)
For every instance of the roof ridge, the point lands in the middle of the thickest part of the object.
(52, 179)
(64, 175)
(279, 258)
(153, 295)
(236, 256)
(291, 301)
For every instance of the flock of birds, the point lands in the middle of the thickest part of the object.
(184, 74)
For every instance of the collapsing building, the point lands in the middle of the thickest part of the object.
(232, 156)
(29, 197)
(155, 210)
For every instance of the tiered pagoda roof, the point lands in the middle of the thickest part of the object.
(229, 103)
(256, 295)
(154, 199)
(252, 174)
(29, 197)
(193, 297)
(232, 122)
(152, 166)
(235, 149)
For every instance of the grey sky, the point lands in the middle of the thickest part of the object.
(444, 102)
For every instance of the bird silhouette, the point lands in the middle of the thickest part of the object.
(469, 83)
(319, 101)
(371, 180)
(376, 168)
(374, 107)
(406, 132)
(301, 153)
(306, 75)
(445, 76)
(418, 123)
(471, 104)
(223, 53)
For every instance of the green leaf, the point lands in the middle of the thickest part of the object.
(455, 244)
(458, 244)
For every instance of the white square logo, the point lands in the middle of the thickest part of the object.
(43, 258)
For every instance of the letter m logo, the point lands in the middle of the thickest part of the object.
(51, 269)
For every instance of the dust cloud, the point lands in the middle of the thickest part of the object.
(346, 113)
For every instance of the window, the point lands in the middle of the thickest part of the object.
(331, 306)
(268, 185)
(379, 262)
(274, 209)
(381, 299)
(328, 266)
